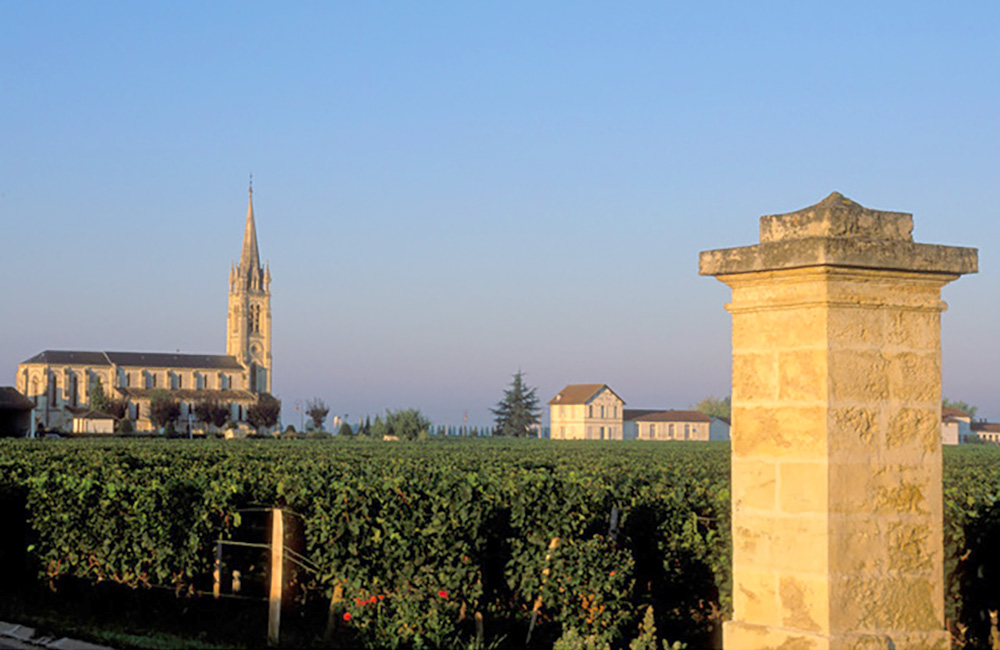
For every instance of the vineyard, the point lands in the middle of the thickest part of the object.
(446, 543)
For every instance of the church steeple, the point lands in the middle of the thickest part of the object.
(249, 328)
(249, 257)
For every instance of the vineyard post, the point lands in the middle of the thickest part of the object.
(545, 576)
(836, 444)
(217, 573)
(277, 577)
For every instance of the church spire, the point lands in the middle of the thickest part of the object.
(250, 258)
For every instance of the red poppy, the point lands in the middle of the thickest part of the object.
(381, 597)
(612, 574)
(443, 593)
(347, 616)
(359, 601)
(373, 600)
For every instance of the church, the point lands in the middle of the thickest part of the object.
(60, 382)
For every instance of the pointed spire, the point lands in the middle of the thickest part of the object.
(249, 258)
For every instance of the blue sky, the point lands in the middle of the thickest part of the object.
(448, 192)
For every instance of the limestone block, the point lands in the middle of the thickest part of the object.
(755, 596)
(804, 603)
(755, 484)
(803, 487)
(791, 432)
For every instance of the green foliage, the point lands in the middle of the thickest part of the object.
(124, 426)
(211, 411)
(647, 636)
(317, 410)
(345, 430)
(960, 405)
(715, 407)
(470, 519)
(163, 408)
(98, 400)
(118, 408)
(264, 413)
(518, 409)
(405, 424)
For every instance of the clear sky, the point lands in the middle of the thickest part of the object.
(450, 191)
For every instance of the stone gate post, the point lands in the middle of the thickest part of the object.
(836, 447)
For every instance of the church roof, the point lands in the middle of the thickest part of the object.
(70, 358)
(137, 359)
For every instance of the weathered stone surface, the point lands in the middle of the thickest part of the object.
(850, 253)
(837, 216)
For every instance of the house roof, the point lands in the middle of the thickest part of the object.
(668, 416)
(955, 413)
(86, 414)
(12, 399)
(190, 395)
(989, 427)
(137, 359)
(631, 414)
(580, 394)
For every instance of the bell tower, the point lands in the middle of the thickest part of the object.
(248, 332)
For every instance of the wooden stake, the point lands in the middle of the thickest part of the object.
(545, 576)
(331, 616)
(277, 577)
(217, 574)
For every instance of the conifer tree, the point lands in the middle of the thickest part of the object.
(518, 409)
(98, 399)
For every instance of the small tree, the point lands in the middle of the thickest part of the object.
(118, 408)
(517, 411)
(960, 405)
(317, 410)
(212, 411)
(405, 424)
(345, 430)
(715, 408)
(264, 413)
(163, 408)
(98, 400)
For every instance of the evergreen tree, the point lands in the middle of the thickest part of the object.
(518, 409)
(98, 400)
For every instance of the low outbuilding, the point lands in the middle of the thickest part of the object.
(15, 413)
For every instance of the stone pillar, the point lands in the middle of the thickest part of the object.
(836, 449)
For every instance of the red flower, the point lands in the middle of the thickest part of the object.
(612, 574)
(373, 600)
(381, 597)
(443, 593)
(347, 616)
(359, 601)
